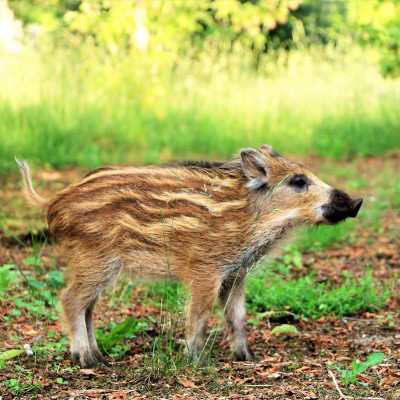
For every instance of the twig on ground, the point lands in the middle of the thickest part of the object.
(84, 392)
(370, 398)
(342, 396)
(255, 385)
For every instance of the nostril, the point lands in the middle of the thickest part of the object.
(356, 207)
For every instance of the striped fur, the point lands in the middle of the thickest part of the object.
(203, 223)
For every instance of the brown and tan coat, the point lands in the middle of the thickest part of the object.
(204, 224)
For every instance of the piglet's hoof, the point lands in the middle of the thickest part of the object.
(101, 359)
(243, 355)
(85, 359)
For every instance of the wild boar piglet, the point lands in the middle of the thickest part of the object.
(202, 223)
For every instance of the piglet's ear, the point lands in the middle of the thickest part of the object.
(255, 168)
(269, 151)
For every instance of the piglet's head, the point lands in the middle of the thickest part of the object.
(288, 191)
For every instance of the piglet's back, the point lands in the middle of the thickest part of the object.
(152, 207)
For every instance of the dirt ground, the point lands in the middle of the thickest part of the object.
(286, 367)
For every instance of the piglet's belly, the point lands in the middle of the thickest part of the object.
(146, 264)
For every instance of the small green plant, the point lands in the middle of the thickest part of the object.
(55, 279)
(21, 385)
(8, 276)
(292, 257)
(51, 346)
(111, 342)
(61, 381)
(285, 330)
(35, 262)
(40, 298)
(388, 321)
(13, 385)
(348, 377)
(9, 355)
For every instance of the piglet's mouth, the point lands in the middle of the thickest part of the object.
(357, 203)
(340, 207)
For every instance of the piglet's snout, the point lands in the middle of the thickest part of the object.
(357, 203)
(341, 206)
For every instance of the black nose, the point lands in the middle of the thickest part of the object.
(357, 203)
(340, 207)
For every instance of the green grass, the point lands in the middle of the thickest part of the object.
(168, 356)
(390, 192)
(325, 236)
(8, 277)
(168, 295)
(355, 132)
(396, 196)
(37, 294)
(69, 109)
(308, 298)
(23, 384)
(111, 342)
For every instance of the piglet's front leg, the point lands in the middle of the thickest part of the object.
(203, 295)
(232, 298)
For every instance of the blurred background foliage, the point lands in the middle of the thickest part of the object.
(177, 27)
(94, 81)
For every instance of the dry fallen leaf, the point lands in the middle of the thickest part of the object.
(285, 330)
(88, 372)
(119, 395)
(30, 331)
(187, 383)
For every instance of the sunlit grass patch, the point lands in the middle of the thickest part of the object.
(71, 109)
(353, 133)
(308, 298)
(47, 134)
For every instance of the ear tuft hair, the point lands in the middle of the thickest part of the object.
(255, 167)
(268, 150)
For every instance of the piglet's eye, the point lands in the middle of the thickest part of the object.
(299, 182)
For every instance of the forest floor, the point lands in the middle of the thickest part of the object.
(146, 358)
